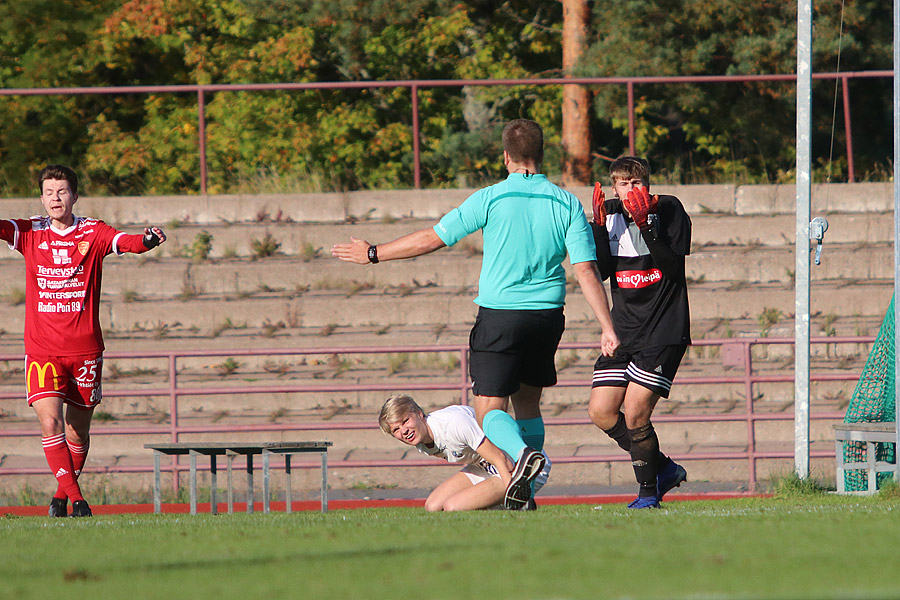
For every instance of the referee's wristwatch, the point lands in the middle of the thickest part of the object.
(373, 254)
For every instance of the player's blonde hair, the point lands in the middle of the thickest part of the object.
(395, 409)
(629, 167)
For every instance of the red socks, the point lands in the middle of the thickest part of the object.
(61, 465)
(79, 456)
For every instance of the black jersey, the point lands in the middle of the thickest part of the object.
(646, 274)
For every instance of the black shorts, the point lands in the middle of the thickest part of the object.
(510, 347)
(654, 368)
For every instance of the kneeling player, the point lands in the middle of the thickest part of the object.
(63, 343)
(453, 434)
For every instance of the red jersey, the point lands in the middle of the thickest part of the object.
(63, 271)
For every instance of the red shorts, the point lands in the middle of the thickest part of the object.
(75, 379)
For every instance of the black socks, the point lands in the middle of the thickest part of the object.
(645, 457)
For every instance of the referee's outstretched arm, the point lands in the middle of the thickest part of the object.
(408, 246)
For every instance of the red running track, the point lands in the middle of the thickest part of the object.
(315, 505)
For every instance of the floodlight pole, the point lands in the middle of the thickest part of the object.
(801, 272)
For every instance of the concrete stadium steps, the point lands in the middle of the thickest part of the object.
(146, 405)
(707, 229)
(753, 264)
(439, 305)
(741, 200)
(140, 396)
(156, 338)
(571, 442)
(136, 389)
(308, 239)
(295, 238)
(152, 278)
(741, 286)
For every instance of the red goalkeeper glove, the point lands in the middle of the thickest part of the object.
(598, 203)
(640, 205)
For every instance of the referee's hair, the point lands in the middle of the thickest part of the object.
(58, 172)
(523, 140)
(395, 409)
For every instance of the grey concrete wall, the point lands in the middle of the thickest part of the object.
(432, 204)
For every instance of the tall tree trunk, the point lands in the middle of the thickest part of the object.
(576, 130)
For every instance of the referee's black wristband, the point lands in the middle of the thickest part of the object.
(373, 254)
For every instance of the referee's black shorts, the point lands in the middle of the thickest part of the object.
(510, 347)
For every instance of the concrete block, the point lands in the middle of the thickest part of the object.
(420, 204)
(824, 198)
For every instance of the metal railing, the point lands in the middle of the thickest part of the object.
(201, 90)
(739, 351)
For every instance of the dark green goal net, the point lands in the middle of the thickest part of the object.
(873, 401)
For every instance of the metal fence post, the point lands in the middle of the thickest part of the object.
(630, 86)
(417, 176)
(201, 132)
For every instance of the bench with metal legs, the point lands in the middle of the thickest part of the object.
(230, 450)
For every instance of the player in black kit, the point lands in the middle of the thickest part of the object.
(641, 244)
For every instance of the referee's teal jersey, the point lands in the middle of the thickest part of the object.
(528, 225)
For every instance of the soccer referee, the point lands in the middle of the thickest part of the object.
(529, 226)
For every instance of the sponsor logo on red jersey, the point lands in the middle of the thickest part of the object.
(638, 279)
(41, 380)
(61, 256)
(61, 272)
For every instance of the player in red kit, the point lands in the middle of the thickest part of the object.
(63, 343)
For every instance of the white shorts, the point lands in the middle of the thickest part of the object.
(480, 471)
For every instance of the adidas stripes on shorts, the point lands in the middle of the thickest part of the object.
(653, 368)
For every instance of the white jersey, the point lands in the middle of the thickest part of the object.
(456, 435)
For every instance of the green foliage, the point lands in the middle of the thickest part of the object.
(15, 296)
(146, 143)
(736, 132)
(792, 486)
(362, 139)
(265, 247)
(101, 416)
(202, 246)
(767, 319)
(308, 251)
(227, 367)
(44, 44)
(889, 490)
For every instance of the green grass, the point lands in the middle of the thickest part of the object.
(801, 546)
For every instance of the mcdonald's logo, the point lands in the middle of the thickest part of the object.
(41, 375)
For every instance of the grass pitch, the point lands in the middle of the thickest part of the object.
(817, 546)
